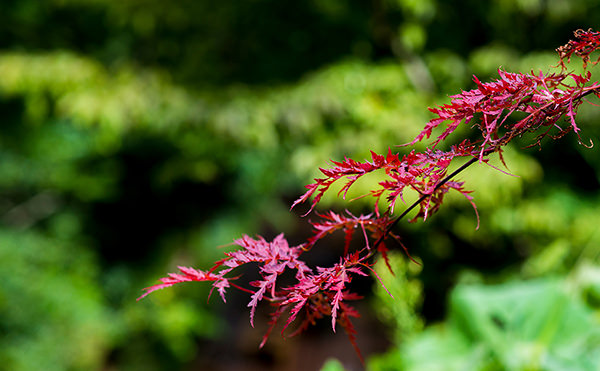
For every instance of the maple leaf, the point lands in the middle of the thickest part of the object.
(585, 43)
(190, 274)
(331, 281)
(331, 222)
(319, 306)
(346, 323)
(275, 257)
(350, 169)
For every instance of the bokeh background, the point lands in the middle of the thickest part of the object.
(140, 135)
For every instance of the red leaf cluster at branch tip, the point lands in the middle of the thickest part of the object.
(541, 101)
(585, 43)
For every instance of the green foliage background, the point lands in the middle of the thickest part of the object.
(140, 135)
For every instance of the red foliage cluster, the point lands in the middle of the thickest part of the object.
(542, 100)
(545, 99)
(420, 172)
(315, 294)
(585, 43)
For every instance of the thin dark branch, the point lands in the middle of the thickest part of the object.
(423, 198)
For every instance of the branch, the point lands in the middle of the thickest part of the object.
(421, 199)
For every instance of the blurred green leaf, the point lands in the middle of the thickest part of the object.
(50, 292)
(522, 325)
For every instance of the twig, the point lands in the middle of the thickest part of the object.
(421, 199)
